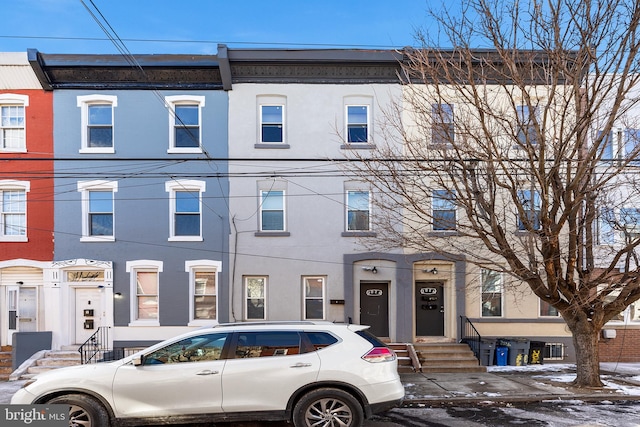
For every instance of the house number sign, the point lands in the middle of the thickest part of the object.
(428, 291)
(374, 292)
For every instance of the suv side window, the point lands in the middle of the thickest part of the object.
(320, 339)
(268, 343)
(195, 349)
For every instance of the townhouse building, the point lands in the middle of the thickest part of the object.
(141, 192)
(295, 116)
(198, 189)
(26, 196)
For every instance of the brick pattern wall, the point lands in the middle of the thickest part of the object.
(624, 348)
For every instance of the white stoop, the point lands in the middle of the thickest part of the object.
(67, 356)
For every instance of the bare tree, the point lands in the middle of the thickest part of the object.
(514, 126)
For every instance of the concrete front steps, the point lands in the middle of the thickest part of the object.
(6, 362)
(436, 357)
(53, 359)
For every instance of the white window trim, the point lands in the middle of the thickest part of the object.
(132, 267)
(12, 184)
(83, 102)
(171, 102)
(346, 123)
(346, 211)
(546, 316)
(284, 211)
(275, 101)
(324, 296)
(245, 296)
(502, 296)
(172, 187)
(197, 265)
(19, 100)
(98, 185)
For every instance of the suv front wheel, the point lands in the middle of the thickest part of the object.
(326, 407)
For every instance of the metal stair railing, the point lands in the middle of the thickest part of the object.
(94, 349)
(470, 335)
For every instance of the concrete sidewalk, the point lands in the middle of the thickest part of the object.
(518, 384)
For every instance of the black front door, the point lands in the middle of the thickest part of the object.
(374, 307)
(429, 309)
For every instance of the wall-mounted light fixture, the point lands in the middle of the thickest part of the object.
(373, 269)
(20, 282)
(433, 270)
(118, 295)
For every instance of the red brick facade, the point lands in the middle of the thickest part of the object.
(39, 173)
(624, 348)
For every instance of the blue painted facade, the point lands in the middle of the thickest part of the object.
(141, 167)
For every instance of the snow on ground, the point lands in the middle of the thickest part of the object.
(623, 378)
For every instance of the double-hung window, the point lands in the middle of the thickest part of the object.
(444, 210)
(97, 210)
(358, 210)
(13, 210)
(357, 124)
(442, 131)
(630, 223)
(185, 199)
(97, 112)
(272, 124)
(492, 289)
(530, 203)
(145, 291)
(272, 210)
(185, 123)
(313, 297)
(526, 126)
(255, 291)
(203, 279)
(12, 122)
(547, 310)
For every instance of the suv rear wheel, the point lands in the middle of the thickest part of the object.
(84, 410)
(326, 407)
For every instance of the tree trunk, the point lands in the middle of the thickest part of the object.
(585, 340)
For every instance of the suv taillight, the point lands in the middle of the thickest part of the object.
(380, 354)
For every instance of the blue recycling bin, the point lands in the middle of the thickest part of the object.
(501, 355)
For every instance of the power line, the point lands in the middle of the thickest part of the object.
(215, 42)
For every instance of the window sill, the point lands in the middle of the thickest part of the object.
(271, 145)
(272, 234)
(358, 234)
(357, 146)
(144, 323)
(93, 239)
(13, 150)
(14, 239)
(105, 150)
(203, 322)
(185, 239)
(194, 150)
(443, 233)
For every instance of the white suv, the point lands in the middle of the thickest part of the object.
(311, 373)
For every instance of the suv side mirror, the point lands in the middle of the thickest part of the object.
(137, 361)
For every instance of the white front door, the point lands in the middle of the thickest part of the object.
(22, 305)
(88, 309)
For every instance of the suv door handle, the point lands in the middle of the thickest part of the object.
(301, 365)
(208, 372)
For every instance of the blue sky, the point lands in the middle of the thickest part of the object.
(62, 26)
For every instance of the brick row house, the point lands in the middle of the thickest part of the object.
(26, 197)
(195, 189)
